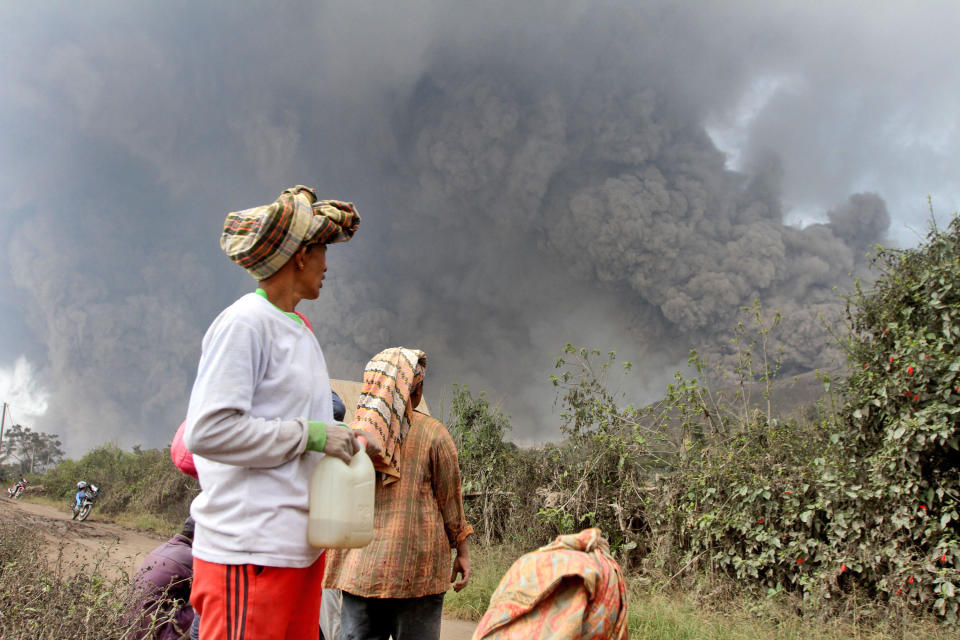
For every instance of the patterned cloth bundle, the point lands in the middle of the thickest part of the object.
(383, 408)
(570, 589)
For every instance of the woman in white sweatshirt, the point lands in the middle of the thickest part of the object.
(259, 419)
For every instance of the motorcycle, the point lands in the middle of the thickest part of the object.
(15, 491)
(86, 503)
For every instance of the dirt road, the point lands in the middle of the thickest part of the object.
(125, 548)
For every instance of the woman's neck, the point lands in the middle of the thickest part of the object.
(280, 297)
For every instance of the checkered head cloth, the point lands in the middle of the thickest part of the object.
(263, 239)
(383, 408)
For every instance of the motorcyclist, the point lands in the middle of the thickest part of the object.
(83, 490)
(21, 484)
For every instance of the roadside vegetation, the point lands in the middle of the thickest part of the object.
(847, 511)
(53, 596)
(731, 520)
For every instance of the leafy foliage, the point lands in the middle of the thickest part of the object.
(612, 454)
(902, 423)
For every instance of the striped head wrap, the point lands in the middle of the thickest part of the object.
(263, 239)
(383, 409)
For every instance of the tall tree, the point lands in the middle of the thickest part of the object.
(32, 451)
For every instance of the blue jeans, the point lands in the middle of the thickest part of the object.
(380, 618)
(195, 627)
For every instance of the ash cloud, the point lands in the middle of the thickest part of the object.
(528, 176)
(539, 200)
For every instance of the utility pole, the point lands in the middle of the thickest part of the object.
(3, 422)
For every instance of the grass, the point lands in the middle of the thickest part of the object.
(681, 617)
(678, 615)
(147, 522)
(34, 498)
(487, 566)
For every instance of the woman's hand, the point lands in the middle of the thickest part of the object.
(341, 442)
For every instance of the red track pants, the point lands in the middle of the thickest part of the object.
(249, 602)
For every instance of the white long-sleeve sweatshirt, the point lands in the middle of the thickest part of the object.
(261, 378)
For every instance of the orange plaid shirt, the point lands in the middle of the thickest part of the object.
(417, 521)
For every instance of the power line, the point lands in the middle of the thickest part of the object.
(18, 407)
(7, 412)
(11, 421)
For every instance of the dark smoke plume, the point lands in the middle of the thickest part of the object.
(534, 203)
(528, 176)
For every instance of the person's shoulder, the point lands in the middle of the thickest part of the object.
(177, 548)
(249, 305)
(180, 540)
(431, 426)
(427, 420)
(250, 310)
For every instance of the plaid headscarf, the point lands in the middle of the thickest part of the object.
(263, 239)
(383, 409)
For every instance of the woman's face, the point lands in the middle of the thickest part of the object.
(314, 269)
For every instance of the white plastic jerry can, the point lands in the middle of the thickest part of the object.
(341, 503)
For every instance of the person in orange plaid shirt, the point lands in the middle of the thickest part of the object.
(395, 585)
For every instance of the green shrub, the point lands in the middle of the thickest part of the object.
(864, 500)
(900, 425)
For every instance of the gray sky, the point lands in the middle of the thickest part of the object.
(621, 175)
